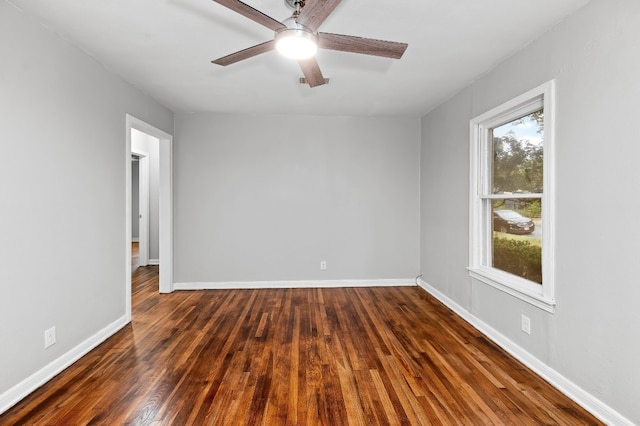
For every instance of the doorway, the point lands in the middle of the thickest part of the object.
(165, 203)
(144, 213)
(135, 211)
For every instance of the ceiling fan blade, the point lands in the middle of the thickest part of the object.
(315, 12)
(364, 46)
(251, 13)
(312, 73)
(246, 53)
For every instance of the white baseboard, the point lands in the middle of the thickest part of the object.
(153, 262)
(294, 284)
(592, 404)
(12, 396)
(135, 240)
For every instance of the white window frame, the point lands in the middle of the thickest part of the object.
(480, 228)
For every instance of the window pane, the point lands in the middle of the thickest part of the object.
(517, 237)
(517, 155)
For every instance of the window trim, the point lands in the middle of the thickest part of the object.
(541, 296)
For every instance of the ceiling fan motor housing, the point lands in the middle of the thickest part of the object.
(294, 4)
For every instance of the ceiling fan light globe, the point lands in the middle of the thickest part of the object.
(296, 43)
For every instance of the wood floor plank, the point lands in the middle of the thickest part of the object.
(338, 356)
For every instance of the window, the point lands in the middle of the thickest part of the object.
(511, 197)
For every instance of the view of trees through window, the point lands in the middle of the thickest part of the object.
(517, 186)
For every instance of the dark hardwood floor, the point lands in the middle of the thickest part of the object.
(357, 356)
(135, 256)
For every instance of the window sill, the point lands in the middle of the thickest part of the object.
(513, 286)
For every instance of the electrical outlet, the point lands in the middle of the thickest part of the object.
(323, 265)
(49, 337)
(526, 324)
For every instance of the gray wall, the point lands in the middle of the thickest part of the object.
(264, 198)
(62, 225)
(151, 145)
(592, 338)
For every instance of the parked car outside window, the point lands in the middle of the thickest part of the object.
(512, 222)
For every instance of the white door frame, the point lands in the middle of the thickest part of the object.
(143, 207)
(166, 207)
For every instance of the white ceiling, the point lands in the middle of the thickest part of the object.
(165, 48)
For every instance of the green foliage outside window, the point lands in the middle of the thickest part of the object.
(532, 209)
(517, 162)
(518, 257)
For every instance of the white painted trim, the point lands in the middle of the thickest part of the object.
(165, 194)
(128, 207)
(13, 395)
(543, 296)
(135, 240)
(166, 207)
(143, 206)
(153, 262)
(590, 403)
(549, 200)
(488, 276)
(220, 285)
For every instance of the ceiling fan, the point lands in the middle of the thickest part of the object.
(298, 37)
